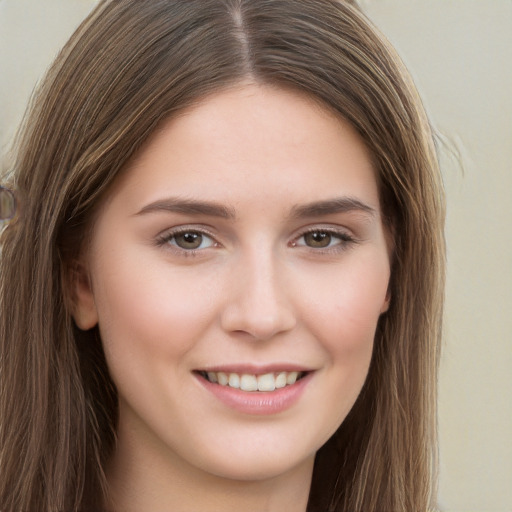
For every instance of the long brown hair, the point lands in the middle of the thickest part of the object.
(129, 66)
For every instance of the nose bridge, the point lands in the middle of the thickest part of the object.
(259, 304)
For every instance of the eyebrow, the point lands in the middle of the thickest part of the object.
(213, 209)
(332, 206)
(189, 207)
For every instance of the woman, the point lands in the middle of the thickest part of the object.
(224, 284)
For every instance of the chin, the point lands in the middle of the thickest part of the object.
(258, 462)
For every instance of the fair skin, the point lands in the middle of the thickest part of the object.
(245, 238)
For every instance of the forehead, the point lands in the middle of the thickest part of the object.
(252, 143)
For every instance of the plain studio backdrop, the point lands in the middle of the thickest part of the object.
(460, 55)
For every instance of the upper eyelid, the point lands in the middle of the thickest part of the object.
(335, 230)
(185, 229)
(326, 229)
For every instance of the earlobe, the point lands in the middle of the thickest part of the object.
(83, 305)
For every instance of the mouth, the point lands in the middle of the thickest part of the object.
(251, 382)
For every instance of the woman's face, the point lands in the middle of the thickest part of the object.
(243, 247)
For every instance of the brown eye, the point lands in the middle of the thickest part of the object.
(318, 239)
(189, 240)
(186, 240)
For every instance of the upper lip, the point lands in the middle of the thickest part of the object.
(252, 369)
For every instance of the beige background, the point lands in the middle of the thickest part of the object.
(460, 53)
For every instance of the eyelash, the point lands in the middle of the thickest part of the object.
(345, 241)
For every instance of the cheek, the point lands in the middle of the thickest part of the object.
(347, 303)
(149, 313)
(345, 318)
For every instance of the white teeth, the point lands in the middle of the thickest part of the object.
(234, 380)
(248, 382)
(281, 380)
(222, 378)
(291, 377)
(266, 382)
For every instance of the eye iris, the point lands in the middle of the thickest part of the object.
(189, 240)
(318, 239)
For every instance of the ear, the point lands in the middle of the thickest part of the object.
(83, 305)
(387, 301)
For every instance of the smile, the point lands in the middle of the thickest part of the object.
(250, 382)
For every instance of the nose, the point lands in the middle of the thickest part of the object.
(259, 303)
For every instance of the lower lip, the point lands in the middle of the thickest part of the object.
(258, 402)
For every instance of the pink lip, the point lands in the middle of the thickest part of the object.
(257, 402)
